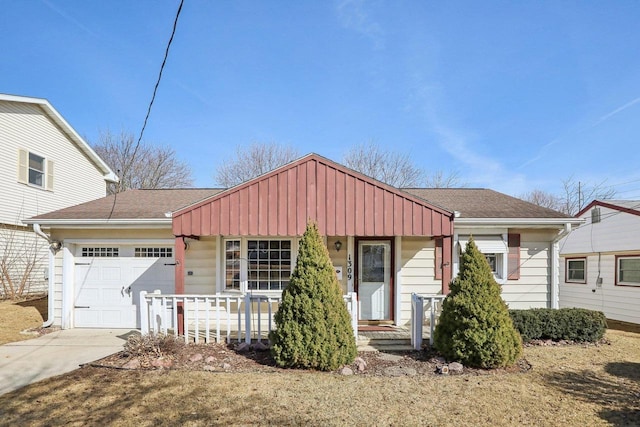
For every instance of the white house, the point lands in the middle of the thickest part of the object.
(600, 268)
(44, 166)
(386, 243)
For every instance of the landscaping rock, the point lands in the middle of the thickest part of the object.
(209, 368)
(196, 357)
(161, 362)
(390, 357)
(360, 363)
(400, 371)
(456, 368)
(132, 364)
(209, 359)
(346, 371)
(226, 366)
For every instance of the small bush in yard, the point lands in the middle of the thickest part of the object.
(474, 327)
(313, 326)
(571, 324)
(157, 345)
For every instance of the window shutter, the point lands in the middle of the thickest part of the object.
(49, 181)
(438, 260)
(513, 262)
(23, 166)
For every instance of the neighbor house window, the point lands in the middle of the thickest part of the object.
(257, 264)
(35, 170)
(576, 270)
(492, 259)
(628, 270)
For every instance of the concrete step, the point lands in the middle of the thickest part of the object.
(392, 347)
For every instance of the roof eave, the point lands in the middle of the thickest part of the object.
(101, 223)
(519, 222)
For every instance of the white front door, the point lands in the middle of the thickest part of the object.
(109, 279)
(374, 280)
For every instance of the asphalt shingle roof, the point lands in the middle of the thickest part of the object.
(483, 203)
(133, 204)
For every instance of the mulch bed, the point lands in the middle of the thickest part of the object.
(225, 358)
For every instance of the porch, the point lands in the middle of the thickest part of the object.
(249, 318)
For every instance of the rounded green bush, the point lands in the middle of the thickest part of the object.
(474, 327)
(313, 326)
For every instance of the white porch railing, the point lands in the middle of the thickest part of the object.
(421, 305)
(209, 317)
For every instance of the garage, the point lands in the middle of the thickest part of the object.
(110, 277)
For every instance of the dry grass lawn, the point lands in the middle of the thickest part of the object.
(571, 386)
(16, 317)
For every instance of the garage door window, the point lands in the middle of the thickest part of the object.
(153, 252)
(100, 252)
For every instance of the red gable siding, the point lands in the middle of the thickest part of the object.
(341, 201)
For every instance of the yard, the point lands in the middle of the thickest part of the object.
(568, 385)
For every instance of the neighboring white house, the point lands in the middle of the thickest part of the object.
(44, 166)
(386, 243)
(600, 267)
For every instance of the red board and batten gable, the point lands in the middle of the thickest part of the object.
(342, 202)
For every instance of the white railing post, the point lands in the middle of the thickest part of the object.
(417, 317)
(432, 320)
(144, 313)
(247, 318)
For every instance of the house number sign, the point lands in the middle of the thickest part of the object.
(349, 267)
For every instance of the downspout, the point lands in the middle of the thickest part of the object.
(50, 279)
(555, 266)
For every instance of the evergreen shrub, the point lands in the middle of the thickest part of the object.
(571, 324)
(474, 327)
(313, 326)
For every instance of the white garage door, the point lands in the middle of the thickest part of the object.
(109, 278)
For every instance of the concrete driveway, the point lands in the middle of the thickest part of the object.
(25, 362)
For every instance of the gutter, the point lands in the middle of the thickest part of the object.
(51, 280)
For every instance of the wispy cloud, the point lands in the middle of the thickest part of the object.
(352, 15)
(69, 18)
(616, 111)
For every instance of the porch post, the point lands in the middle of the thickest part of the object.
(447, 254)
(179, 279)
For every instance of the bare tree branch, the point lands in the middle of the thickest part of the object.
(574, 196)
(438, 179)
(390, 167)
(151, 166)
(252, 161)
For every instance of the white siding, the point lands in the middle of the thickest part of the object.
(200, 260)
(76, 179)
(417, 265)
(532, 290)
(616, 302)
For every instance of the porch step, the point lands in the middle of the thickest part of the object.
(384, 344)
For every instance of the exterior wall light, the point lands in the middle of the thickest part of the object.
(338, 245)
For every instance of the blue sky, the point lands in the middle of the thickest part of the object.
(512, 95)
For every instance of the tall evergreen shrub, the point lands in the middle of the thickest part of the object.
(313, 326)
(475, 327)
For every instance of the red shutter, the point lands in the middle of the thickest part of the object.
(513, 263)
(438, 260)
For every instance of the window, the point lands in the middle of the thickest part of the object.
(595, 215)
(153, 252)
(100, 252)
(35, 170)
(628, 270)
(576, 270)
(492, 259)
(257, 264)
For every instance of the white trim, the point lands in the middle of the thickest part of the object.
(68, 287)
(398, 280)
(219, 268)
(101, 223)
(106, 241)
(555, 274)
(350, 260)
(507, 222)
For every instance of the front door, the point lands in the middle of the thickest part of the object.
(374, 280)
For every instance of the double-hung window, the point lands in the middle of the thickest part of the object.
(35, 170)
(576, 270)
(257, 264)
(628, 270)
